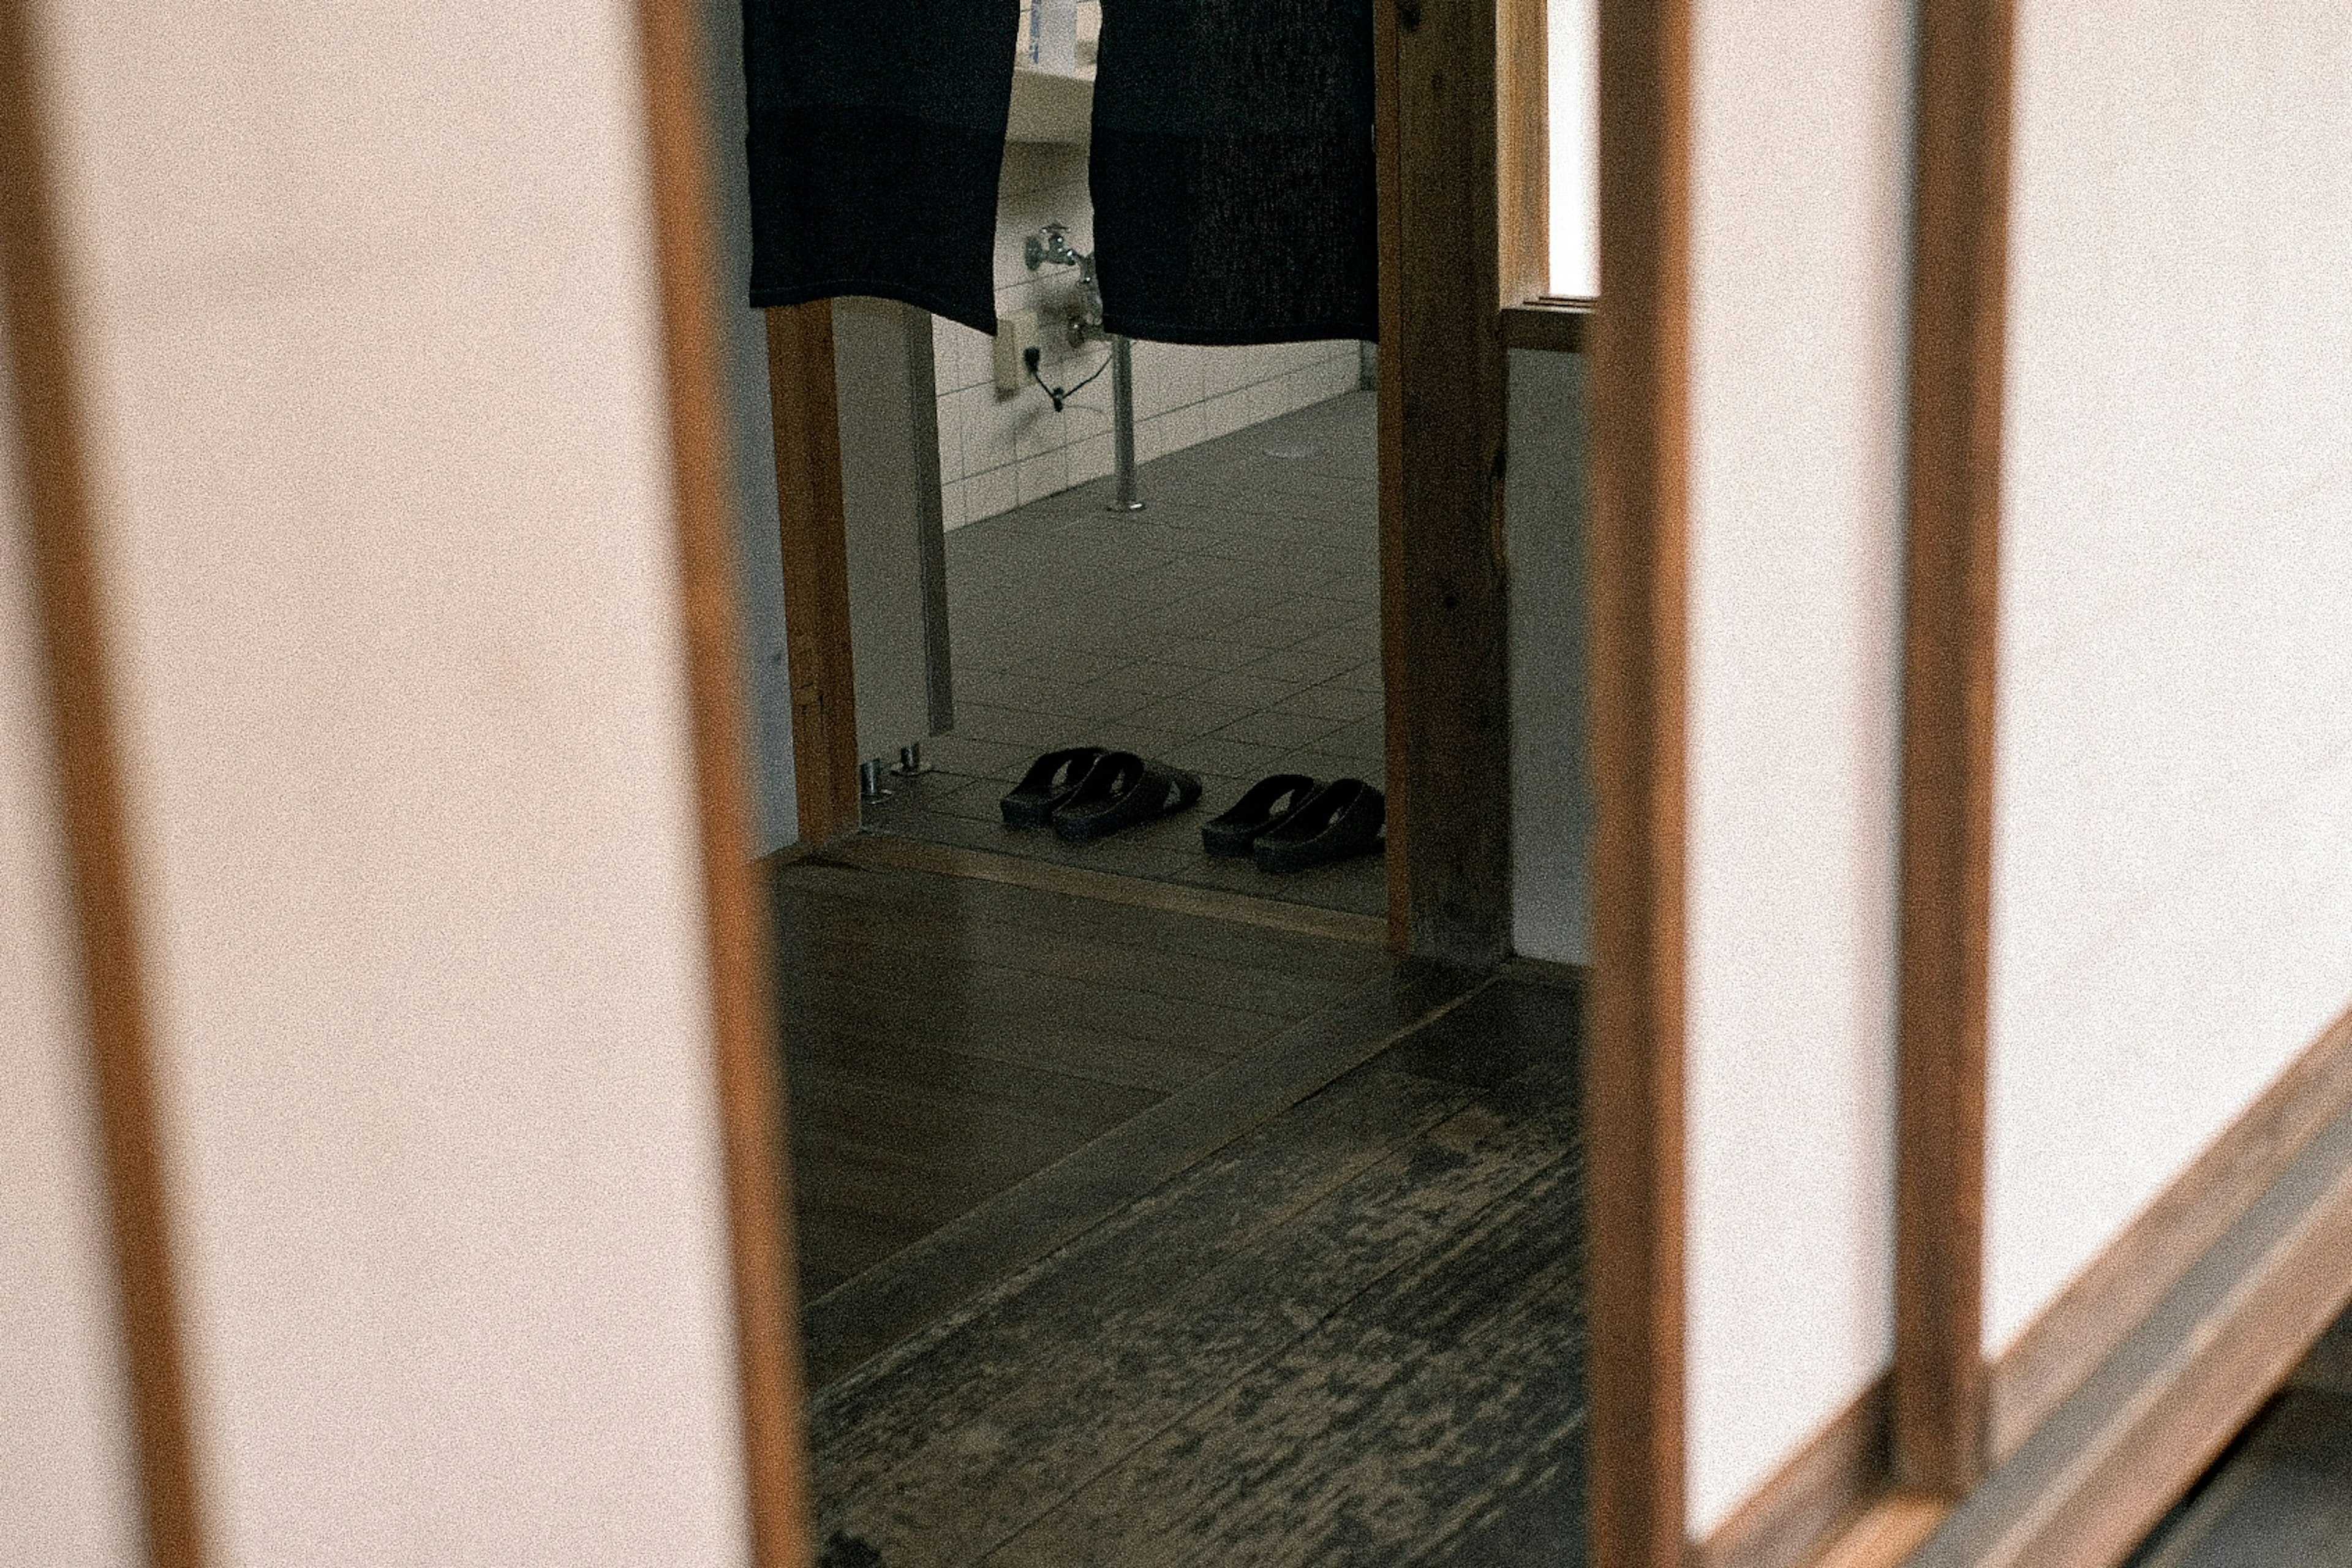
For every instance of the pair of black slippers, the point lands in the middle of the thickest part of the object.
(1084, 792)
(1287, 823)
(1291, 822)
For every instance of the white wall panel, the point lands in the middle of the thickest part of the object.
(377, 397)
(2173, 828)
(1800, 277)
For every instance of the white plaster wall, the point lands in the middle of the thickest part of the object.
(999, 451)
(68, 1495)
(1544, 505)
(368, 298)
(1800, 232)
(2172, 888)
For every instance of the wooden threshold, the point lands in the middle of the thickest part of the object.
(1549, 326)
(2060, 1350)
(856, 1320)
(893, 853)
(2115, 1455)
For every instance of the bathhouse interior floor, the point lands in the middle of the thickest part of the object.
(1232, 628)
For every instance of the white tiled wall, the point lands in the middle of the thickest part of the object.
(998, 452)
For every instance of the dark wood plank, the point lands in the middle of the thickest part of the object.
(1067, 950)
(1191, 1335)
(1200, 1240)
(1389, 1213)
(2061, 1346)
(807, 414)
(1442, 372)
(1217, 930)
(1024, 1223)
(1388, 1423)
(1959, 278)
(844, 1025)
(1285, 918)
(1549, 326)
(937, 998)
(56, 476)
(1639, 586)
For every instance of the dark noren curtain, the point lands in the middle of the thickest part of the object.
(876, 135)
(1234, 180)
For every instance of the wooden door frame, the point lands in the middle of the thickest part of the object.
(1462, 237)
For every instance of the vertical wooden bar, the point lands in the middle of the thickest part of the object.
(1442, 371)
(1634, 1097)
(742, 972)
(1959, 319)
(816, 568)
(45, 363)
(1523, 137)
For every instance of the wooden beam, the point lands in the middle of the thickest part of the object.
(742, 973)
(45, 366)
(1958, 292)
(810, 515)
(1444, 617)
(1633, 1095)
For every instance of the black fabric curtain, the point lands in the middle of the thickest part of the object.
(877, 136)
(1234, 177)
(1232, 172)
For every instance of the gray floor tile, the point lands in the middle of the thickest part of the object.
(1228, 626)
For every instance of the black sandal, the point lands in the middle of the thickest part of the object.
(1051, 780)
(1237, 829)
(1337, 822)
(1121, 791)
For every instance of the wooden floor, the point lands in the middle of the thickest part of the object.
(1352, 1336)
(947, 1037)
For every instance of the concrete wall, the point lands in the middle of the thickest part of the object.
(1801, 181)
(68, 1486)
(368, 298)
(2173, 836)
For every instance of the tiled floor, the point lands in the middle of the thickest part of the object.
(1232, 628)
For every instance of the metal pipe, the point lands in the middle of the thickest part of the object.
(1122, 424)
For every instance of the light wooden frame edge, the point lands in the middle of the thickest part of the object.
(741, 973)
(1958, 318)
(1638, 584)
(44, 363)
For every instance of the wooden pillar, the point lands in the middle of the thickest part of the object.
(812, 519)
(1442, 374)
